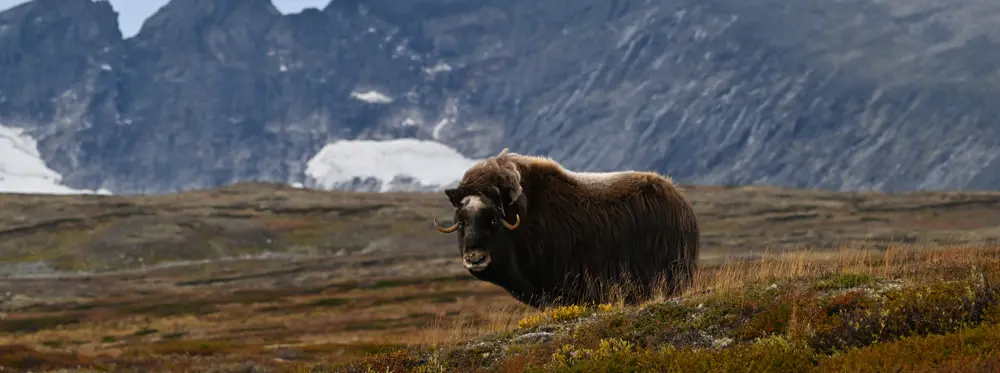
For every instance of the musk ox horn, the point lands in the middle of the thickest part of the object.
(449, 229)
(517, 222)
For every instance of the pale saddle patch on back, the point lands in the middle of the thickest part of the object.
(598, 179)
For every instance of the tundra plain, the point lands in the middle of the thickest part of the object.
(264, 278)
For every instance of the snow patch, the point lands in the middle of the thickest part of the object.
(372, 96)
(440, 67)
(22, 169)
(400, 164)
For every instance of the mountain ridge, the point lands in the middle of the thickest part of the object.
(798, 94)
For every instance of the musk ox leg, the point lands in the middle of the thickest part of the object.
(534, 300)
(677, 278)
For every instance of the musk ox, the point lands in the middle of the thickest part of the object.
(550, 236)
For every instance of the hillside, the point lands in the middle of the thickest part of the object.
(885, 95)
(99, 233)
(301, 277)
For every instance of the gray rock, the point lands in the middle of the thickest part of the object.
(855, 94)
(537, 337)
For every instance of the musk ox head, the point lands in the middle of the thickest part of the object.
(486, 216)
(485, 236)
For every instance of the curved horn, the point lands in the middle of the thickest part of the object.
(517, 222)
(447, 230)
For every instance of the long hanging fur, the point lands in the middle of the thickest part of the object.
(583, 234)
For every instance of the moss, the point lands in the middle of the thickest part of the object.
(257, 296)
(390, 283)
(328, 302)
(416, 319)
(24, 358)
(591, 333)
(195, 307)
(843, 281)
(192, 347)
(789, 326)
(768, 318)
(291, 224)
(658, 324)
(170, 336)
(969, 350)
(144, 332)
(557, 314)
(430, 297)
(34, 324)
(847, 302)
(323, 236)
(53, 344)
(615, 355)
(395, 361)
(368, 349)
(936, 308)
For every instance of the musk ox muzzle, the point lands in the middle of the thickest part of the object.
(476, 260)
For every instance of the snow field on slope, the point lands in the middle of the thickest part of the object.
(429, 163)
(22, 169)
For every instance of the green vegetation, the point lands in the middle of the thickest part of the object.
(831, 323)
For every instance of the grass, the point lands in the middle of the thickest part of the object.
(851, 310)
(376, 287)
(854, 309)
(796, 310)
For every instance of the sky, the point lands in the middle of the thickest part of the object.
(131, 13)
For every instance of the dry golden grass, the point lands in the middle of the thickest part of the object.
(896, 261)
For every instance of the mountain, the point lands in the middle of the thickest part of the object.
(862, 94)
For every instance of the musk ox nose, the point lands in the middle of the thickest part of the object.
(476, 260)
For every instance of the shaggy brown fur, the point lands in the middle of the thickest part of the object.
(575, 235)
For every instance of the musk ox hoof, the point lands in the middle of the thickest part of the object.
(476, 260)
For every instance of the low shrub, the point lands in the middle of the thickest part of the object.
(766, 328)
(974, 349)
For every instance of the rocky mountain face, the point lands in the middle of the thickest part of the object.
(850, 94)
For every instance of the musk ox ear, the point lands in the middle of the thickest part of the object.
(454, 197)
(510, 183)
(513, 194)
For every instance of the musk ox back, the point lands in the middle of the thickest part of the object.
(550, 236)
